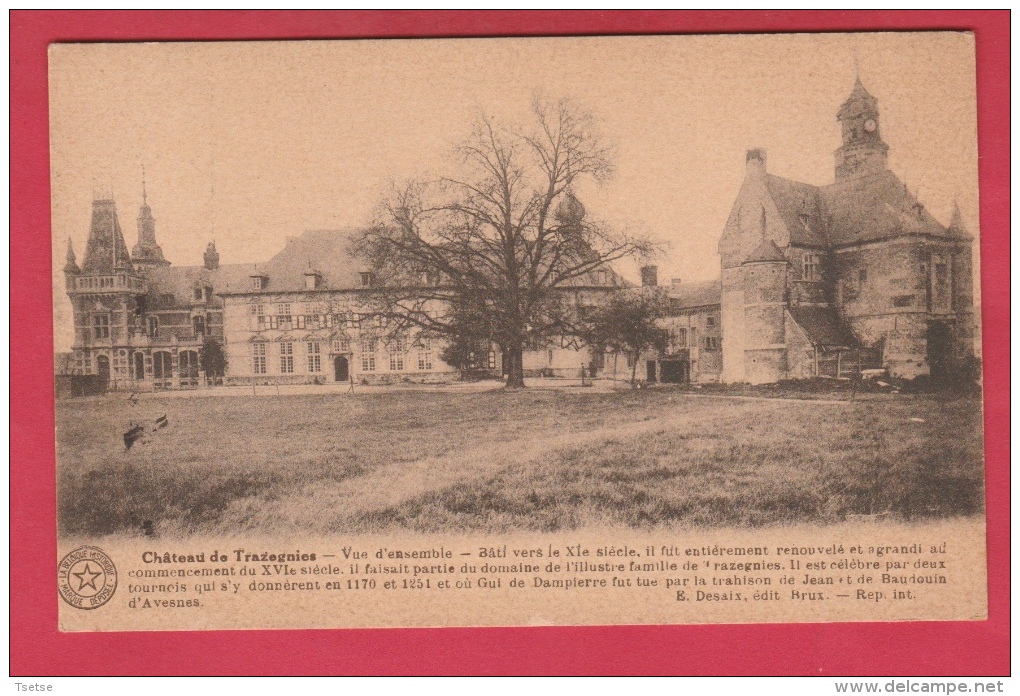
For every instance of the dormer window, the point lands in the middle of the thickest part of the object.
(259, 282)
(312, 280)
(367, 279)
(198, 294)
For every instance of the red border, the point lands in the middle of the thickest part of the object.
(37, 648)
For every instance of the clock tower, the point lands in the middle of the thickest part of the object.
(863, 151)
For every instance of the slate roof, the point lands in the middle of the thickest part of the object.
(697, 294)
(823, 326)
(181, 281)
(862, 209)
(799, 206)
(106, 251)
(877, 207)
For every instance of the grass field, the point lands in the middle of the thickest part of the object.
(495, 461)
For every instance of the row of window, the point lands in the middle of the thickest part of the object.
(313, 355)
(285, 321)
(101, 325)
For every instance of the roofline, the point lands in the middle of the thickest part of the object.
(903, 235)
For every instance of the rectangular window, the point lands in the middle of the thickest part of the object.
(368, 355)
(711, 343)
(367, 279)
(286, 358)
(811, 267)
(380, 321)
(396, 362)
(341, 346)
(256, 283)
(258, 352)
(198, 323)
(300, 321)
(101, 325)
(424, 361)
(680, 338)
(272, 321)
(198, 293)
(942, 285)
(314, 358)
(492, 360)
(710, 320)
(286, 322)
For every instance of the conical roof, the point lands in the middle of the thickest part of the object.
(106, 251)
(858, 100)
(767, 252)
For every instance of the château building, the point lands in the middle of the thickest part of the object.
(827, 280)
(815, 281)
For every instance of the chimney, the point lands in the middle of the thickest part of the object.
(649, 276)
(674, 281)
(757, 160)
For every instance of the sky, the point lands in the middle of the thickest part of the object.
(249, 143)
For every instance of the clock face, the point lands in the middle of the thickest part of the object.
(870, 125)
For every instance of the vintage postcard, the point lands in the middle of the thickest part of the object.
(507, 332)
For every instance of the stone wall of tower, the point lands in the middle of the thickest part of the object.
(765, 321)
(732, 315)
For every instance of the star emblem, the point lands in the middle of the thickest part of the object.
(87, 573)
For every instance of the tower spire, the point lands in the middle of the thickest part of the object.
(72, 261)
(147, 251)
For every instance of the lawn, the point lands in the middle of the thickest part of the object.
(495, 461)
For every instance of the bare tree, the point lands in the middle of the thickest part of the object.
(505, 241)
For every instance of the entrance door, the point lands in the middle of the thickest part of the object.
(139, 366)
(103, 368)
(651, 371)
(341, 369)
(187, 367)
(162, 369)
(940, 349)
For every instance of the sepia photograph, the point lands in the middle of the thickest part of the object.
(507, 332)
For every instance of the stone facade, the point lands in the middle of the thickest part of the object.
(825, 280)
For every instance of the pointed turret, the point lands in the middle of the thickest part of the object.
(211, 257)
(106, 251)
(147, 252)
(71, 265)
(766, 252)
(956, 226)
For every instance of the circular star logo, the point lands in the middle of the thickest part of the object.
(86, 578)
